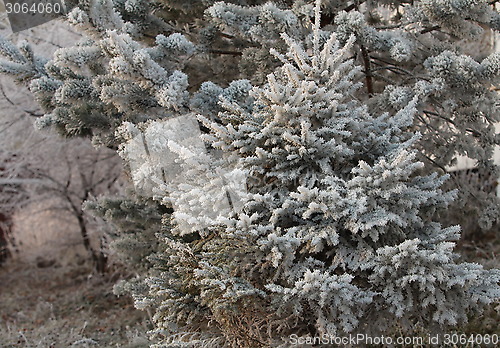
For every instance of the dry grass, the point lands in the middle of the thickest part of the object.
(65, 307)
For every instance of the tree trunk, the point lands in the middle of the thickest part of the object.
(99, 259)
(4, 232)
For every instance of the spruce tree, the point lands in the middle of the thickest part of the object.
(138, 55)
(337, 114)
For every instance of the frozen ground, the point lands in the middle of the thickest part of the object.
(65, 307)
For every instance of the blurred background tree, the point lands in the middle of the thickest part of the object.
(46, 179)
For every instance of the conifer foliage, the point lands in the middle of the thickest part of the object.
(334, 230)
